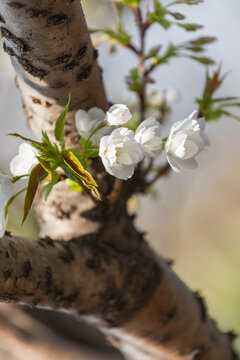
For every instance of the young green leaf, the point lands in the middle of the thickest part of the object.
(74, 164)
(190, 27)
(12, 199)
(59, 127)
(25, 139)
(73, 185)
(37, 175)
(79, 172)
(131, 3)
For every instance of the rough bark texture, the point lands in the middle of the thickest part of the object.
(107, 273)
(51, 51)
(133, 296)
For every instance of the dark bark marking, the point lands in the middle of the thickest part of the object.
(48, 241)
(70, 1)
(59, 85)
(6, 254)
(34, 13)
(2, 19)
(202, 305)
(28, 294)
(57, 19)
(26, 269)
(20, 44)
(15, 5)
(63, 59)
(93, 214)
(166, 318)
(13, 251)
(32, 70)
(95, 54)
(93, 264)
(48, 279)
(70, 66)
(64, 214)
(66, 255)
(36, 100)
(84, 73)
(27, 66)
(6, 274)
(8, 50)
(46, 104)
(82, 51)
(39, 102)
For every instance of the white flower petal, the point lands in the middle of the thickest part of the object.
(185, 141)
(6, 189)
(3, 223)
(120, 153)
(118, 114)
(26, 159)
(148, 135)
(96, 113)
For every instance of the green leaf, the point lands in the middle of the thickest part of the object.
(59, 127)
(172, 51)
(202, 59)
(52, 181)
(92, 152)
(74, 164)
(158, 15)
(12, 199)
(203, 40)
(16, 178)
(37, 175)
(73, 185)
(25, 139)
(76, 168)
(190, 27)
(131, 3)
(134, 81)
(177, 15)
(117, 36)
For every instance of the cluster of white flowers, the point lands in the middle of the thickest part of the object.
(5, 195)
(121, 149)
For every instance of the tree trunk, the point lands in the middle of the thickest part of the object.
(105, 273)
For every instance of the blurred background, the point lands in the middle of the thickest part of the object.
(192, 217)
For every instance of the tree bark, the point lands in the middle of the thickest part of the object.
(52, 54)
(106, 274)
(124, 290)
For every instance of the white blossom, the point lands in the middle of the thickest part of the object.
(87, 121)
(3, 223)
(26, 159)
(120, 153)
(148, 135)
(118, 114)
(5, 195)
(185, 141)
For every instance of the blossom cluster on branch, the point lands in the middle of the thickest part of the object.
(102, 135)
